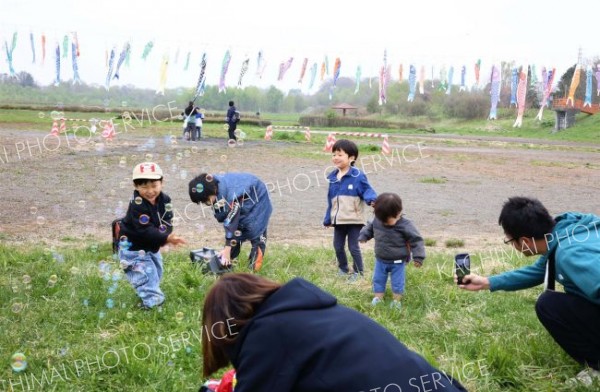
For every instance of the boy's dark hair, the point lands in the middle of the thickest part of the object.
(230, 103)
(144, 181)
(387, 205)
(347, 146)
(202, 187)
(525, 217)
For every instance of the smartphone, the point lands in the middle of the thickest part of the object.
(462, 266)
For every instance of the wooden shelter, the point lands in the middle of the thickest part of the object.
(344, 107)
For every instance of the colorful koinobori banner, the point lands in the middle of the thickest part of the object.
(149, 57)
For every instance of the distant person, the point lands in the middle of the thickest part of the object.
(241, 202)
(349, 191)
(144, 230)
(569, 245)
(189, 122)
(397, 242)
(231, 120)
(295, 337)
(199, 118)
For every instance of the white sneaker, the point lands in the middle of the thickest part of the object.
(585, 377)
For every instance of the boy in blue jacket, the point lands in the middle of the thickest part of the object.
(241, 202)
(569, 246)
(349, 191)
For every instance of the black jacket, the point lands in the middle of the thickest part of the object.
(301, 340)
(147, 226)
(398, 242)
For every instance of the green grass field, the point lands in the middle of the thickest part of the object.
(70, 311)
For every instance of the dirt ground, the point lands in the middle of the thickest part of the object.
(60, 190)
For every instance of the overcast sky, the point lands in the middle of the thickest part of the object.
(425, 32)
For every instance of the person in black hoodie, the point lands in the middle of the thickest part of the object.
(296, 337)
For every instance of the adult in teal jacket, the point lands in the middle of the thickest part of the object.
(572, 240)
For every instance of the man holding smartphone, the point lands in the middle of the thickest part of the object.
(569, 249)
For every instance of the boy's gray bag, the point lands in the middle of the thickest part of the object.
(209, 261)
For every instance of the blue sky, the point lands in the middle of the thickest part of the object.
(429, 33)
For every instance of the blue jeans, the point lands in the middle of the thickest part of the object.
(340, 232)
(144, 271)
(380, 275)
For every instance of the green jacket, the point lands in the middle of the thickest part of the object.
(576, 238)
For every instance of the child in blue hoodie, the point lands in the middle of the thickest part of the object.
(349, 191)
(569, 249)
(241, 202)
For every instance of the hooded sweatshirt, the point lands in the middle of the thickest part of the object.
(301, 340)
(576, 241)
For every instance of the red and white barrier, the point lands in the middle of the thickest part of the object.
(385, 146)
(54, 130)
(270, 129)
(109, 130)
(269, 133)
(330, 142)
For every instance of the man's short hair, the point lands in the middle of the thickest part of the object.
(525, 217)
(230, 103)
(202, 187)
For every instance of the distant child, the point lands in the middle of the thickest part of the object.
(396, 242)
(146, 227)
(199, 118)
(349, 190)
(241, 202)
(189, 121)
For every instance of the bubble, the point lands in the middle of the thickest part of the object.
(174, 167)
(209, 178)
(110, 303)
(179, 156)
(94, 248)
(237, 132)
(199, 188)
(194, 149)
(144, 219)
(237, 233)
(111, 290)
(123, 238)
(188, 349)
(81, 203)
(162, 228)
(41, 114)
(224, 157)
(138, 200)
(129, 315)
(122, 184)
(41, 220)
(142, 253)
(33, 210)
(183, 174)
(226, 127)
(101, 315)
(86, 302)
(149, 157)
(26, 279)
(63, 351)
(179, 316)
(286, 246)
(16, 307)
(230, 143)
(18, 362)
(56, 115)
(186, 153)
(74, 270)
(52, 280)
(168, 207)
(15, 289)
(170, 363)
(106, 102)
(167, 158)
(240, 142)
(99, 147)
(200, 227)
(123, 162)
(176, 221)
(124, 104)
(233, 243)
(179, 91)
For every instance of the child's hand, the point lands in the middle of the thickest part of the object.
(174, 240)
(418, 264)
